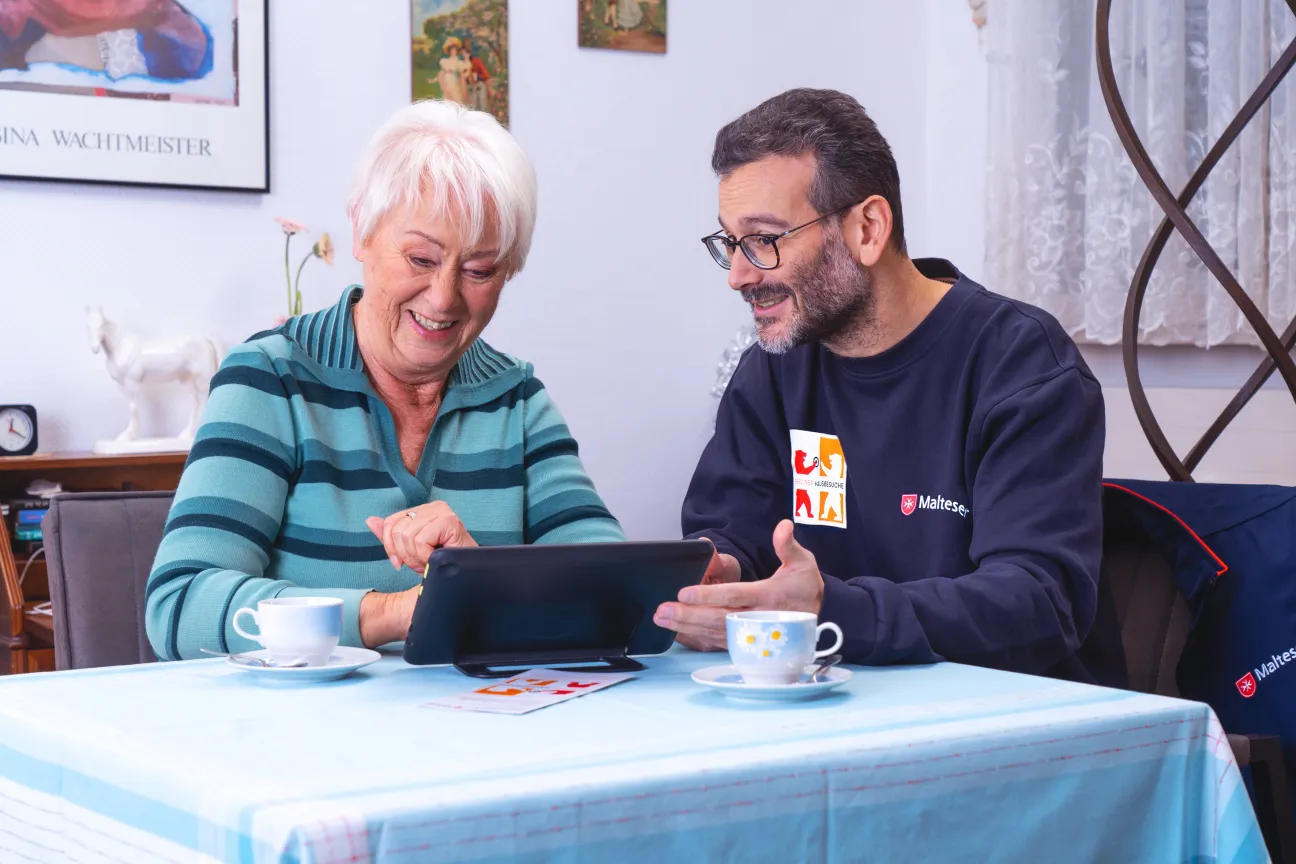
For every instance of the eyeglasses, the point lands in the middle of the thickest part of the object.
(761, 249)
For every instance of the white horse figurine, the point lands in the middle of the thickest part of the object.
(133, 363)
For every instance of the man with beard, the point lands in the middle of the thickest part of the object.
(905, 453)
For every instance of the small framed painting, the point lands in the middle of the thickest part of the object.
(625, 25)
(136, 92)
(460, 52)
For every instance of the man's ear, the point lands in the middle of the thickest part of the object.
(866, 229)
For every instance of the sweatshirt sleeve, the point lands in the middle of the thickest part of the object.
(1036, 545)
(227, 513)
(738, 494)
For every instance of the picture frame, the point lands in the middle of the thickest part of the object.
(165, 93)
(622, 25)
(460, 52)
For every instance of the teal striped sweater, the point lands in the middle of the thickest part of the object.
(296, 450)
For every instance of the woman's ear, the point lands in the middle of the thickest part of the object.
(357, 243)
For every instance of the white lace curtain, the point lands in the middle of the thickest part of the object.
(1068, 218)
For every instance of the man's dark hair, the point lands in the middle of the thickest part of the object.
(853, 160)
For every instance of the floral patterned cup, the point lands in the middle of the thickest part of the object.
(775, 647)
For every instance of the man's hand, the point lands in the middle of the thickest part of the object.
(699, 616)
(723, 570)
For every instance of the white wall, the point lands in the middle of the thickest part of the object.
(954, 104)
(620, 308)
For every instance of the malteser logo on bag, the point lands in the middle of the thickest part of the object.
(1250, 682)
(818, 479)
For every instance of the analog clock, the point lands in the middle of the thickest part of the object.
(17, 430)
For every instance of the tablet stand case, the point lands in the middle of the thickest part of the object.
(599, 633)
(483, 610)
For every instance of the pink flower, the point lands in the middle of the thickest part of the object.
(289, 226)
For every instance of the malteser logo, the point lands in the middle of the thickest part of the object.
(910, 503)
(818, 479)
(1250, 682)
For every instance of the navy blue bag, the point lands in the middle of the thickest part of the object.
(1232, 550)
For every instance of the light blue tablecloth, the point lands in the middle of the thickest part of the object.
(197, 762)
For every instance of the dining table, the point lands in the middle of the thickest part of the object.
(200, 761)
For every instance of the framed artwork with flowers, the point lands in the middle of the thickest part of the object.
(136, 92)
(460, 52)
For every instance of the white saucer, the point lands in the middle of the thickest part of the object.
(728, 680)
(342, 662)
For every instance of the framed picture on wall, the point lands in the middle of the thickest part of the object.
(460, 52)
(138, 92)
(623, 25)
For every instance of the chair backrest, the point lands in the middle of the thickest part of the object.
(1153, 615)
(100, 548)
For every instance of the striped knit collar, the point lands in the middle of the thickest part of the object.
(328, 337)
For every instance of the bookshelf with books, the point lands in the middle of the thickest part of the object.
(26, 628)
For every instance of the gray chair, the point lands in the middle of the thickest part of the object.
(100, 548)
(1155, 621)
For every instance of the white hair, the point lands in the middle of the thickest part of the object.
(473, 168)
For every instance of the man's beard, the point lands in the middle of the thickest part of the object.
(830, 296)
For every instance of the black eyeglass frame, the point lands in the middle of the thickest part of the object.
(730, 244)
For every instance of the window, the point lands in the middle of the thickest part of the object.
(1068, 218)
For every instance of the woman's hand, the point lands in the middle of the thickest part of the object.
(386, 617)
(411, 536)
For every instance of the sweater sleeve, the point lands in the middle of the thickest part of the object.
(1036, 546)
(739, 491)
(562, 505)
(226, 517)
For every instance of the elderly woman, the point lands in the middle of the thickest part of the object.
(340, 450)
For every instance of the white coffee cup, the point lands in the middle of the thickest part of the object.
(775, 647)
(292, 628)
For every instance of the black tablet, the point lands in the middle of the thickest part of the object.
(488, 607)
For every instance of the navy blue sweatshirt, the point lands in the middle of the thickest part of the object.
(950, 488)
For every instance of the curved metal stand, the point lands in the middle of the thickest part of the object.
(1278, 348)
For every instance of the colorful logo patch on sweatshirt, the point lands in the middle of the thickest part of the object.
(818, 479)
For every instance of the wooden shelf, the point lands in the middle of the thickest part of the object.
(27, 640)
(40, 626)
(36, 585)
(66, 461)
(87, 472)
